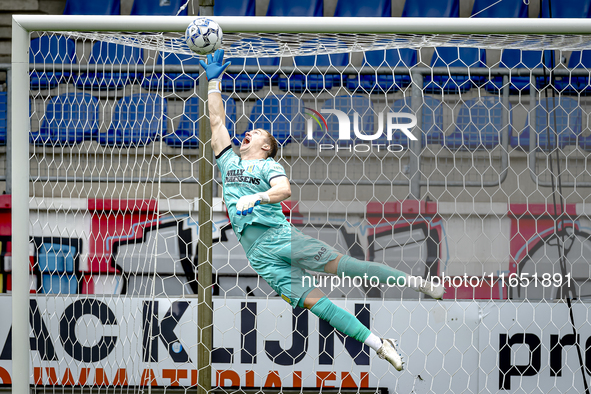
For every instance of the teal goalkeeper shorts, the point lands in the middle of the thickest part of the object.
(282, 254)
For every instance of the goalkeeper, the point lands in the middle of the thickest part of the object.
(253, 187)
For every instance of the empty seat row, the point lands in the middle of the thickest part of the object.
(141, 119)
(137, 120)
(478, 125)
(113, 7)
(61, 50)
(407, 58)
(344, 8)
(156, 7)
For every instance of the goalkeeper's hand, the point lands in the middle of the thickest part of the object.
(246, 204)
(214, 68)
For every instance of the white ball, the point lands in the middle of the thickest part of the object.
(203, 36)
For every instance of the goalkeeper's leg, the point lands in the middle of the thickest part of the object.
(351, 267)
(349, 325)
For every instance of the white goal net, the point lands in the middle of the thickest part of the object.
(459, 154)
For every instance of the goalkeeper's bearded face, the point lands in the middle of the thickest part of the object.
(255, 144)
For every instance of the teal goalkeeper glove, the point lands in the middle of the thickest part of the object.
(214, 68)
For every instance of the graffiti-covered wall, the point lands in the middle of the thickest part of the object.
(142, 247)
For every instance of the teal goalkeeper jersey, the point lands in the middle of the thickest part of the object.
(244, 177)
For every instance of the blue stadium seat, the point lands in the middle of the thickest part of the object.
(56, 264)
(386, 82)
(455, 57)
(116, 54)
(44, 52)
(366, 8)
(503, 9)
(59, 284)
(244, 82)
(69, 119)
(514, 59)
(186, 134)
(565, 112)
(317, 82)
(295, 8)
(3, 117)
(280, 115)
(158, 7)
(566, 9)
(431, 8)
(137, 120)
(103, 7)
(479, 124)
(349, 105)
(234, 8)
(575, 84)
(173, 81)
(56, 258)
(431, 122)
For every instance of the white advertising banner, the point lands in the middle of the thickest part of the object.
(528, 348)
(458, 346)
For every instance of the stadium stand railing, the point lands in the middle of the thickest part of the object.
(455, 57)
(58, 50)
(479, 124)
(379, 84)
(518, 60)
(170, 81)
(115, 54)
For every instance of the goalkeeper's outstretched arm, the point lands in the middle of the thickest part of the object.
(220, 137)
(214, 69)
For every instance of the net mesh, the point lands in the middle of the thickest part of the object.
(491, 196)
(295, 44)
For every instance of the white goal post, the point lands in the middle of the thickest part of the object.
(359, 35)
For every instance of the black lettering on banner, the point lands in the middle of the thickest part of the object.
(506, 369)
(357, 350)
(41, 340)
(74, 311)
(248, 333)
(299, 344)
(163, 331)
(556, 346)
